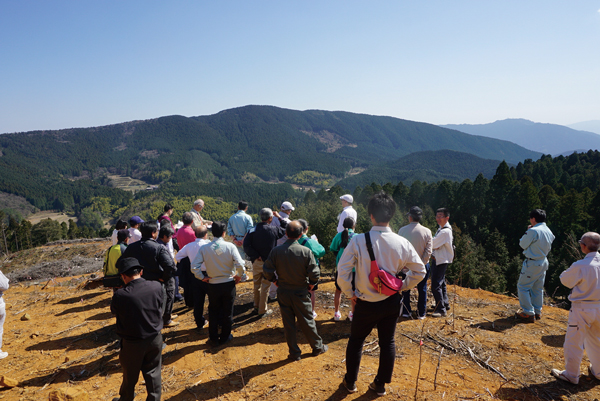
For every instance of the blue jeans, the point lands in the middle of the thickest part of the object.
(438, 287)
(531, 285)
(422, 301)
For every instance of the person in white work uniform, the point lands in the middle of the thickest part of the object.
(348, 211)
(3, 287)
(583, 327)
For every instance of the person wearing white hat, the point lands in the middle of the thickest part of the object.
(348, 211)
(280, 219)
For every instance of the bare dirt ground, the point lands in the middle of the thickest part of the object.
(479, 352)
(48, 214)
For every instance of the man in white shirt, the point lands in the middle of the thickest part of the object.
(442, 256)
(348, 211)
(134, 224)
(195, 290)
(583, 327)
(3, 287)
(393, 254)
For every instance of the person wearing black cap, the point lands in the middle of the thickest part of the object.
(420, 238)
(137, 307)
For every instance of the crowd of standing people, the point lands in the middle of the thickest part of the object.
(149, 261)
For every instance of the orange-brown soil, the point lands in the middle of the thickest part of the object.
(70, 341)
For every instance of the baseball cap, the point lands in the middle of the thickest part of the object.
(415, 211)
(136, 220)
(348, 198)
(287, 206)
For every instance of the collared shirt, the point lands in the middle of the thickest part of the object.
(420, 238)
(198, 220)
(184, 236)
(347, 212)
(295, 265)
(392, 252)
(317, 249)
(282, 216)
(136, 235)
(584, 278)
(239, 224)
(443, 252)
(223, 261)
(191, 250)
(138, 307)
(537, 242)
(336, 245)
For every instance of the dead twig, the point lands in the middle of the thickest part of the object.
(437, 368)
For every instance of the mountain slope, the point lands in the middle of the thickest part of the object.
(429, 166)
(546, 138)
(591, 126)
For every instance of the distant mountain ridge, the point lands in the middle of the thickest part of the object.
(428, 166)
(591, 126)
(250, 143)
(550, 139)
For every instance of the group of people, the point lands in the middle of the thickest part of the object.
(285, 265)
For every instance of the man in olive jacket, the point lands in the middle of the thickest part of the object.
(297, 273)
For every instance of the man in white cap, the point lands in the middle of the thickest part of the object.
(348, 211)
(282, 218)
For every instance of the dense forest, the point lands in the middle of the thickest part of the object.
(489, 216)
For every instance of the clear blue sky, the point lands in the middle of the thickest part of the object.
(85, 63)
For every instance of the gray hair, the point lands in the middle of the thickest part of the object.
(199, 202)
(591, 240)
(265, 214)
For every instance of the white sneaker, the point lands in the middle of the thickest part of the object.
(421, 317)
(350, 316)
(560, 374)
(314, 315)
(3, 354)
(337, 316)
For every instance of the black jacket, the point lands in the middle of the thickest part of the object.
(261, 239)
(154, 258)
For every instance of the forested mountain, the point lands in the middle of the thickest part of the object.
(428, 166)
(251, 144)
(546, 138)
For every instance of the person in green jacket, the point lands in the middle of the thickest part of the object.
(318, 251)
(338, 244)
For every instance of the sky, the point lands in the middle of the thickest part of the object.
(66, 64)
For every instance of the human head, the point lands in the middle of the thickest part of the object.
(381, 207)
(168, 209)
(442, 215)
(200, 232)
(304, 225)
(129, 267)
(121, 225)
(187, 218)
(415, 213)
(149, 229)
(265, 214)
(135, 221)
(294, 230)
(218, 228)
(590, 242)
(287, 207)
(347, 200)
(538, 215)
(348, 223)
(198, 205)
(242, 205)
(123, 235)
(166, 232)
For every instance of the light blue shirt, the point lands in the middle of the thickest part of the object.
(222, 260)
(537, 242)
(239, 224)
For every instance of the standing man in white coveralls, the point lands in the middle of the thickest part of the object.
(3, 287)
(348, 211)
(583, 328)
(536, 243)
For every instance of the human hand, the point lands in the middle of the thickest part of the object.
(237, 279)
(206, 279)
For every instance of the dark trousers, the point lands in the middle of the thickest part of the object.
(296, 304)
(177, 296)
(367, 315)
(144, 356)
(220, 310)
(199, 290)
(170, 298)
(438, 286)
(422, 300)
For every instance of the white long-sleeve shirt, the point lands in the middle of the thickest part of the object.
(191, 250)
(584, 278)
(347, 212)
(222, 259)
(392, 252)
(442, 245)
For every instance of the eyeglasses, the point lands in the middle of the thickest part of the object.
(581, 242)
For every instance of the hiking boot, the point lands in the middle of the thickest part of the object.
(538, 316)
(379, 388)
(351, 387)
(525, 317)
(560, 374)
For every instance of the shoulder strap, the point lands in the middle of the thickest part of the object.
(304, 241)
(369, 246)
